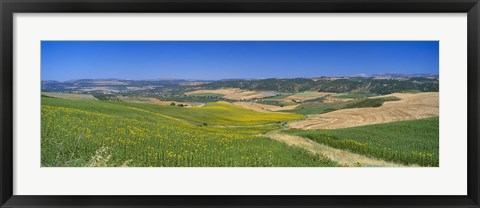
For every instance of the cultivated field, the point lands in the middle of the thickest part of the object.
(342, 157)
(190, 125)
(81, 131)
(240, 103)
(95, 133)
(307, 95)
(69, 96)
(218, 114)
(406, 142)
(233, 93)
(409, 107)
(264, 107)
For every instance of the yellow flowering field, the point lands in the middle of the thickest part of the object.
(80, 133)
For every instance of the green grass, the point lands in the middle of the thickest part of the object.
(69, 96)
(276, 100)
(411, 91)
(372, 102)
(106, 108)
(276, 103)
(312, 109)
(351, 95)
(406, 142)
(319, 99)
(79, 133)
(45, 96)
(106, 97)
(309, 108)
(305, 94)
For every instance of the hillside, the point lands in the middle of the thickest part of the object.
(80, 133)
(340, 85)
(410, 106)
(177, 88)
(407, 142)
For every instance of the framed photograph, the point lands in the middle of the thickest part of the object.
(264, 103)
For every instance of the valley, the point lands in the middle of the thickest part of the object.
(378, 121)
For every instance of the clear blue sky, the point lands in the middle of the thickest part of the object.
(210, 60)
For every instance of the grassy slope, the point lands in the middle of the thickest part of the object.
(372, 102)
(107, 108)
(219, 113)
(407, 142)
(319, 108)
(95, 133)
(69, 96)
(350, 95)
(276, 100)
(316, 109)
(305, 94)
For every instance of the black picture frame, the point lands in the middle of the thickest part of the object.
(9, 7)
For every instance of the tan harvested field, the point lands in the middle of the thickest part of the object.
(306, 96)
(410, 107)
(263, 107)
(70, 96)
(235, 93)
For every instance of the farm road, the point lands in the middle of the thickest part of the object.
(342, 157)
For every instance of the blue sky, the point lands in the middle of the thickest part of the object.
(211, 60)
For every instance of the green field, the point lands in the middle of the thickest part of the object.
(79, 133)
(411, 91)
(277, 103)
(309, 108)
(73, 96)
(106, 97)
(305, 94)
(314, 109)
(276, 100)
(407, 142)
(371, 102)
(350, 95)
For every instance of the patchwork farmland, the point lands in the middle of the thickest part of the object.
(340, 121)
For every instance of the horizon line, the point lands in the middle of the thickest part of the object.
(192, 79)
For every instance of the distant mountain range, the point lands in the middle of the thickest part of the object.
(382, 75)
(396, 75)
(377, 84)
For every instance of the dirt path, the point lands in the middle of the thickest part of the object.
(342, 157)
(409, 107)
